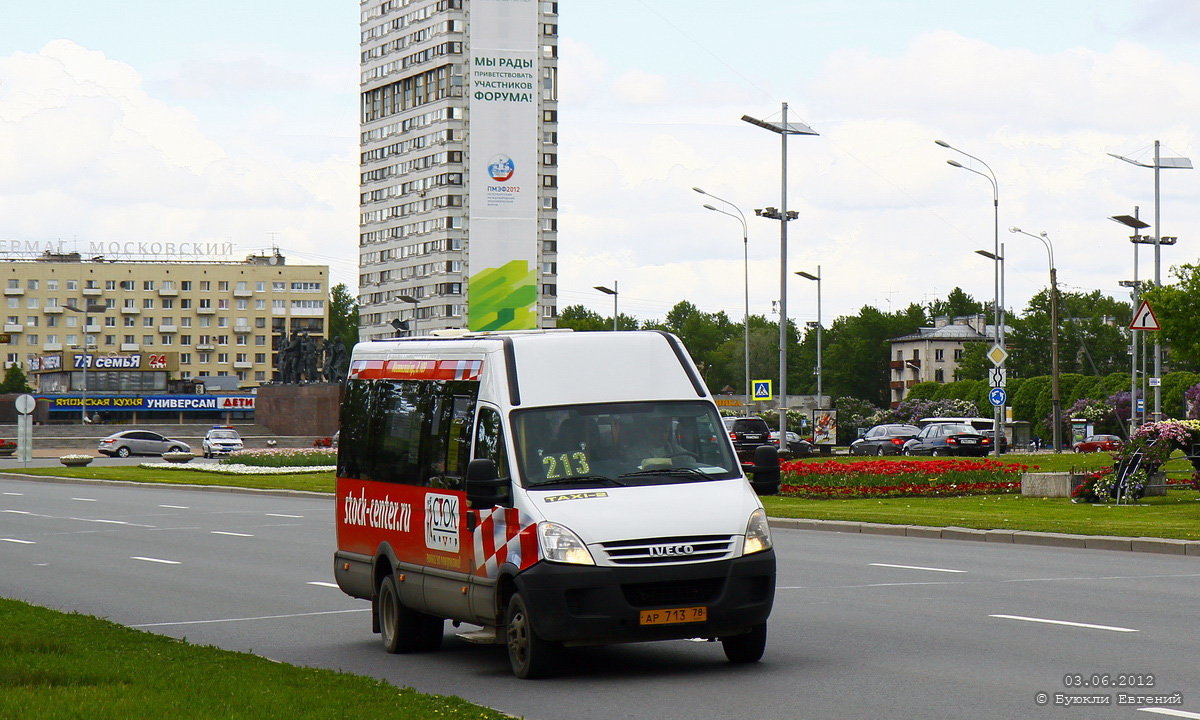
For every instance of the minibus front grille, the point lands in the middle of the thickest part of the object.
(670, 550)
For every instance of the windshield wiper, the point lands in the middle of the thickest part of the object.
(576, 479)
(686, 471)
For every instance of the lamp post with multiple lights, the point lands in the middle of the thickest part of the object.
(1160, 163)
(783, 128)
(997, 428)
(1055, 398)
(740, 217)
(996, 255)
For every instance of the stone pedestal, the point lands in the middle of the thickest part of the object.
(299, 409)
(1051, 484)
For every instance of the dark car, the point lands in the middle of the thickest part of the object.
(884, 440)
(796, 445)
(747, 433)
(1003, 439)
(1099, 443)
(948, 439)
(139, 442)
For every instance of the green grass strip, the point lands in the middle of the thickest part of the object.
(66, 665)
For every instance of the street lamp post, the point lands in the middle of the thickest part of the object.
(783, 128)
(611, 291)
(1133, 221)
(817, 278)
(1055, 397)
(996, 415)
(87, 313)
(1180, 163)
(416, 302)
(996, 255)
(745, 271)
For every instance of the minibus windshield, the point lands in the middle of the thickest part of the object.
(622, 444)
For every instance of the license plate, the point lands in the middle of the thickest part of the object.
(673, 616)
(967, 441)
(753, 438)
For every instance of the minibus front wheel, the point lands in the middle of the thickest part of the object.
(530, 655)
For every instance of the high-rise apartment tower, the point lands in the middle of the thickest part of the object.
(459, 166)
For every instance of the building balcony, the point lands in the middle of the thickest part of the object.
(14, 327)
(92, 292)
(206, 311)
(130, 347)
(205, 347)
(53, 310)
(167, 292)
(92, 329)
(168, 328)
(130, 311)
(243, 329)
(52, 347)
(242, 365)
(243, 293)
(14, 291)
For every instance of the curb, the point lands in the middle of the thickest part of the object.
(181, 486)
(1164, 546)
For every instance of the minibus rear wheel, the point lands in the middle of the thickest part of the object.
(530, 655)
(403, 629)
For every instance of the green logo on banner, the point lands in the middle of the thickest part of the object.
(503, 298)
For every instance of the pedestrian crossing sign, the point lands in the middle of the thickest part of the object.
(761, 390)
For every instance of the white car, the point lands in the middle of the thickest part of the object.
(221, 441)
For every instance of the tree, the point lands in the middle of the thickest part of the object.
(957, 304)
(1091, 337)
(857, 353)
(580, 319)
(15, 380)
(343, 317)
(1177, 308)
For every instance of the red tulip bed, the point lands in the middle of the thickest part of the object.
(900, 478)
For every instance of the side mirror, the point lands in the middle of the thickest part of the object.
(765, 480)
(484, 488)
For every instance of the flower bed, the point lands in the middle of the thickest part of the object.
(223, 469)
(900, 478)
(283, 457)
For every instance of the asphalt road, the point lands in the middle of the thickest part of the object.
(864, 626)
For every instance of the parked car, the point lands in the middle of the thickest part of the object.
(139, 442)
(884, 440)
(948, 439)
(221, 440)
(1099, 443)
(1003, 439)
(747, 433)
(796, 445)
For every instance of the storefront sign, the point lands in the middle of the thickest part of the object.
(153, 402)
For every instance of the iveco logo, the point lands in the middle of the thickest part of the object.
(666, 550)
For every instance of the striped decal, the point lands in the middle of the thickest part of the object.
(504, 536)
(416, 369)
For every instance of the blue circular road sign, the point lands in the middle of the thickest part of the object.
(997, 396)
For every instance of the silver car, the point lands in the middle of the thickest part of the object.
(139, 442)
(221, 441)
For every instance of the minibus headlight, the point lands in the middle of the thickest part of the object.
(758, 533)
(559, 544)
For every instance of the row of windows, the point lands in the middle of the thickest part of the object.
(409, 18)
(403, 146)
(419, 163)
(240, 286)
(414, 38)
(407, 93)
(452, 47)
(426, 248)
(412, 271)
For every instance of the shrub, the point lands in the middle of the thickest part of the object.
(282, 457)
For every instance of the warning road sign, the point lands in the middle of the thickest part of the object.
(1144, 318)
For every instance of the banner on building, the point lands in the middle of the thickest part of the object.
(502, 154)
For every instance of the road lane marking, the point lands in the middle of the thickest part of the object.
(282, 515)
(18, 541)
(15, 494)
(323, 584)
(232, 534)
(260, 617)
(916, 567)
(1064, 622)
(1169, 711)
(175, 507)
(156, 560)
(86, 499)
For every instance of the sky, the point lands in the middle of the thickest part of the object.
(237, 122)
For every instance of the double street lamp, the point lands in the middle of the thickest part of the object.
(1056, 399)
(783, 128)
(746, 272)
(1137, 224)
(1160, 163)
(996, 256)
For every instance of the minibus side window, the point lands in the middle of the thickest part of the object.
(489, 440)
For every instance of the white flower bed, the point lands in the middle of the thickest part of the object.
(238, 469)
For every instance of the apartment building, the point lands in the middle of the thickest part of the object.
(192, 319)
(933, 353)
(459, 155)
